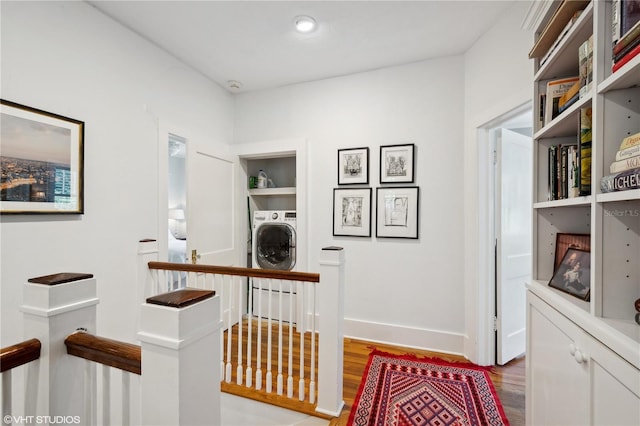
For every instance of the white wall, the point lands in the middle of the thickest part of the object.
(69, 59)
(490, 91)
(408, 292)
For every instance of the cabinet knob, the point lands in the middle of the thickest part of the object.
(572, 349)
(580, 357)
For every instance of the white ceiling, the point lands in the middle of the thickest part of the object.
(254, 42)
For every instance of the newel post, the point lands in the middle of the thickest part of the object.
(331, 331)
(180, 339)
(55, 306)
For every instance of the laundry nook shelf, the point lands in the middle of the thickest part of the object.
(273, 191)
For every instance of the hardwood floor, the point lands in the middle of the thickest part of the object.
(508, 380)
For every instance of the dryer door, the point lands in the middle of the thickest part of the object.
(276, 246)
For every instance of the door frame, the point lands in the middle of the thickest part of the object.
(486, 293)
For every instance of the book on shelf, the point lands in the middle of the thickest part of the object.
(628, 39)
(585, 151)
(632, 151)
(624, 15)
(563, 172)
(585, 65)
(629, 179)
(617, 57)
(626, 58)
(629, 141)
(555, 90)
(626, 164)
(560, 37)
(569, 98)
(556, 27)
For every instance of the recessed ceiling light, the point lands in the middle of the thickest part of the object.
(305, 24)
(234, 85)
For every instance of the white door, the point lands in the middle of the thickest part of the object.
(513, 240)
(212, 207)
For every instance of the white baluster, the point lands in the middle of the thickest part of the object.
(269, 377)
(126, 399)
(249, 376)
(280, 302)
(301, 381)
(312, 373)
(106, 395)
(6, 395)
(222, 304)
(229, 330)
(239, 368)
(259, 350)
(290, 364)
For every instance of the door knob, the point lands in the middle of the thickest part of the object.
(194, 256)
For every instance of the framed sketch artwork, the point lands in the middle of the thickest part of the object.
(397, 163)
(353, 166)
(42, 161)
(352, 212)
(397, 212)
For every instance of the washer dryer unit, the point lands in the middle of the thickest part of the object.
(274, 239)
(273, 247)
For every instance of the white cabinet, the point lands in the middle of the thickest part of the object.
(572, 377)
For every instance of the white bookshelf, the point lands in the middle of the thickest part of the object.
(613, 221)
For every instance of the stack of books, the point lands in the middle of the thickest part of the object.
(564, 172)
(625, 170)
(625, 31)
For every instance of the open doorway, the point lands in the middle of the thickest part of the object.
(506, 242)
(177, 199)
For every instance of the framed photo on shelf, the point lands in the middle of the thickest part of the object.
(573, 276)
(397, 163)
(353, 166)
(42, 156)
(352, 212)
(566, 241)
(397, 212)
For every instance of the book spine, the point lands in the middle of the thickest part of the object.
(583, 68)
(627, 39)
(629, 179)
(626, 58)
(616, 6)
(553, 163)
(622, 165)
(585, 151)
(627, 49)
(630, 141)
(628, 152)
(564, 177)
(573, 172)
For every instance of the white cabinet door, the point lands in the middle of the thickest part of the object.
(557, 384)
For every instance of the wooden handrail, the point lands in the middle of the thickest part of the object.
(19, 354)
(233, 270)
(125, 356)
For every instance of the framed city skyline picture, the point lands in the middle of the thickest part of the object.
(353, 166)
(41, 157)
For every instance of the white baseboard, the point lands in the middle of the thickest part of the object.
(418, 338)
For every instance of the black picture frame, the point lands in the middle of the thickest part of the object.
(397, 212)
(353, 166)
(352, 212)
(397, 163)
(573, 275)
(42, 161)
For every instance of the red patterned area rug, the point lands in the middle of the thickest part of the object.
(406, 390)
